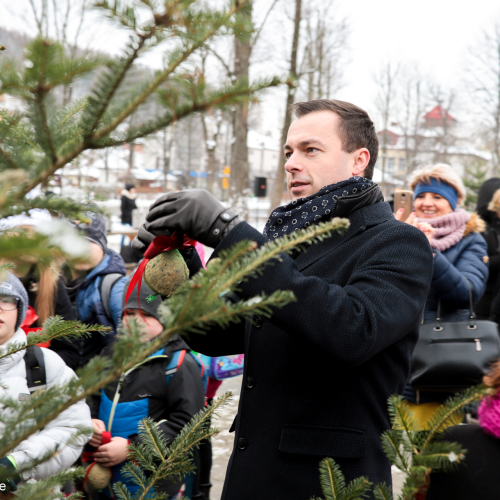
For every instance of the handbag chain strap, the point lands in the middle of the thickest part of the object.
(472, 314)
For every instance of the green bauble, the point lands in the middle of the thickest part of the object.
(166, 272)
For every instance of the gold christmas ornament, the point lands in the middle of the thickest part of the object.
(165, 273)
(99, 476)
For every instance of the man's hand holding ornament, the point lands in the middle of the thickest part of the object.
(194, 212)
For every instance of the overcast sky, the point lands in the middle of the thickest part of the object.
(433, 35)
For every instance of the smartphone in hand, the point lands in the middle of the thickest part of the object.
(403, 199)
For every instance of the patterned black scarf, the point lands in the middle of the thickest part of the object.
(318, 207)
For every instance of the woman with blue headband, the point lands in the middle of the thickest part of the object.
(460, 254)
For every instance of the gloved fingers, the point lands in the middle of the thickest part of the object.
(138, 245)
(166, 208)
(163, 225)
(172, 195)
(142, 240)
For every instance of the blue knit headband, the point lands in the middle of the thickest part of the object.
(439, 187)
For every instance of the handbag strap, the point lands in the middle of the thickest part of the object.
(472, 314)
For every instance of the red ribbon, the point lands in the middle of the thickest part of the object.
(159, 245)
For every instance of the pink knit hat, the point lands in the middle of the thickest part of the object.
(489, 415)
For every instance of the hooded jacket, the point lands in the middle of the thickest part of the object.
(60, 430)
(148, 391)
(86, 297)
(491, 234)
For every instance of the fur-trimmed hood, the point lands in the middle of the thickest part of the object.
(128, 194)
(475, 225)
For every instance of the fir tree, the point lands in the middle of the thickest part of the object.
(44, 136)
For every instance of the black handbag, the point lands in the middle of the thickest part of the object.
(454, 355)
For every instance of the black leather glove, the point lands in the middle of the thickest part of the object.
(8, 475)
(194, 212)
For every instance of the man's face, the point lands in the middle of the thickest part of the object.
(314, 155)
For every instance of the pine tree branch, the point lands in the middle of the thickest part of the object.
(165, 74)
(455, 405)
(46, 174)
(118, 79)
(41, 108)
(9, 159)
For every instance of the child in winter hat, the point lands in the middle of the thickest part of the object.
(11, 288)
(95, 231)
(68, 432)
(147, 303)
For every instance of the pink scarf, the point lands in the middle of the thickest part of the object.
(449, 229)
(489, 415)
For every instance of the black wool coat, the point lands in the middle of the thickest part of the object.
(319, 372)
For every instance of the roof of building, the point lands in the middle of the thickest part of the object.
(438, 113)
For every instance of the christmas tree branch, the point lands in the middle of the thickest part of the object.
(167, 72)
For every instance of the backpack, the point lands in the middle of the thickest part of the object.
(176, 362)
(105, 286)
(222, 367)
(36, 376)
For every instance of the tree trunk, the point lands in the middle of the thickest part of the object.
(239, 151)
(279, 179)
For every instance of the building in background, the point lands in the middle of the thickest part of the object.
(439, 138)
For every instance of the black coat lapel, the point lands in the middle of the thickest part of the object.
(318, 250)
(360, 219)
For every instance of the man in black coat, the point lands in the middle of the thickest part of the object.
(319, 372)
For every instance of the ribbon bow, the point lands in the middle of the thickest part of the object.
(159, 245)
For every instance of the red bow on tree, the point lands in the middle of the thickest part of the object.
(159, 245)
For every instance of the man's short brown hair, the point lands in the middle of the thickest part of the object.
(356, 130)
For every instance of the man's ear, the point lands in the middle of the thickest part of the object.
(361, 159)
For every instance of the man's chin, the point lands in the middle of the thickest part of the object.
(301, 192)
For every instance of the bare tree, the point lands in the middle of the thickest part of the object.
(484, 86)
(292, 84)
(385, 80)
(211, 122)
(410, 113)
(325, 40)
(319, 73)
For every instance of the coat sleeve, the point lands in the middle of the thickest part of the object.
(185, 398)
(449, 280)
(69, 431)
(381, 302)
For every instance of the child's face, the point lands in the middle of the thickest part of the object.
(94, 257)
(8, 319)
(151, 326)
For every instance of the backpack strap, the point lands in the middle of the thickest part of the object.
(36, 376)
(105, 287)
(174, 364)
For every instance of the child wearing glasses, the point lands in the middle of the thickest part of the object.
(15, 370)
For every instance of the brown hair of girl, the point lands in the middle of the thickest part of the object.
(45, 295)
(492, 379)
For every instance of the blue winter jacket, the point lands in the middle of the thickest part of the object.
(89, 304)
(466, 259)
